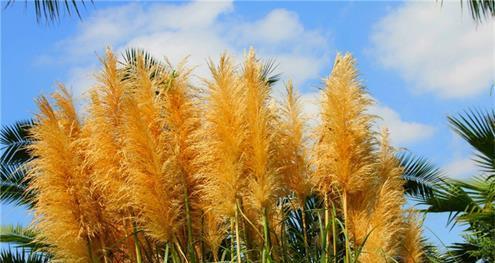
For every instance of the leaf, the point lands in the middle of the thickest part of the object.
(14, 139)
(268, 74)
(481, 9)
(14, 185)
(22, 256)
(51, 10)
(21, 237)
(478, 129)
(420, 175)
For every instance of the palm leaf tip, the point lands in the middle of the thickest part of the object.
(477, 127)
(14, 140)
(421, 176)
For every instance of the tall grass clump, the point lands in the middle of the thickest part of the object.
(68, 211)
(164, 170)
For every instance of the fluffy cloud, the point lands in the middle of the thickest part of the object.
(199, 31)
(438, 48)
(460, 168)
(167, 29)
(402, 132)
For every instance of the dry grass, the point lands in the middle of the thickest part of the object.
(175, 165)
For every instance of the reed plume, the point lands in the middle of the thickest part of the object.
(293, 153)
(264, 183)
(215, 230)
(225, 133)
(378, 226)
(344, 139)
(343, 159)
(176, 170)
(182, 131)
(105, 121)
(411, 245)
(146, 151)
(67, 211)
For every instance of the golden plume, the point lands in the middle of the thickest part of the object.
(225, 133)
(215, 230)
(67, 210)
(343, 156)
(292, 153)
(411, 245)
(378, 227)
(105, 140)
(344, 141)
(264, 181)
(182, 131)
(146, 153)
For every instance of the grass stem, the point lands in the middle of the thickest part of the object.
(237, 233)
(137, 247)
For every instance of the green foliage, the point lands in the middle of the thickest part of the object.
(14, 140)
(421, 176)
(21, 256)
(23, 245)
(471, 202)
(478, 129)
(51, 10)
(19, 236)
(481, 9)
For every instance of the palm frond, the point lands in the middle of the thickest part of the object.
(431, 253)
(14, 140)
(14, 185)
(462, 252)
(268, 74)
(21, 237)
(130, 58)
(51, 10)
(22, 256)
(466, 201)
(451, 198)
(481, 9)
(478, 129)
(421, 177)
(131, 55)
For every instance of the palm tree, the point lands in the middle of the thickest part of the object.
(13, 182)
(471, 202)
(51, 10)
(481, 9)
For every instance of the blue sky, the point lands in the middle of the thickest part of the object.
(420, 61)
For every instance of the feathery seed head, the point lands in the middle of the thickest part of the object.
(343, 152)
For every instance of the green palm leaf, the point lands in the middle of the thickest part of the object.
(20, 236)
(478, 129)
(14, 185)
(14, 139)
(51, 10)
(421, 176)
(481, 9)
(268, 74)
(22, 256)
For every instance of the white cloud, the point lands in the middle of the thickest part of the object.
(278, 25)
(460, 168)
(438, 48)
(401, 132)
(80, 80)
(199, 31)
